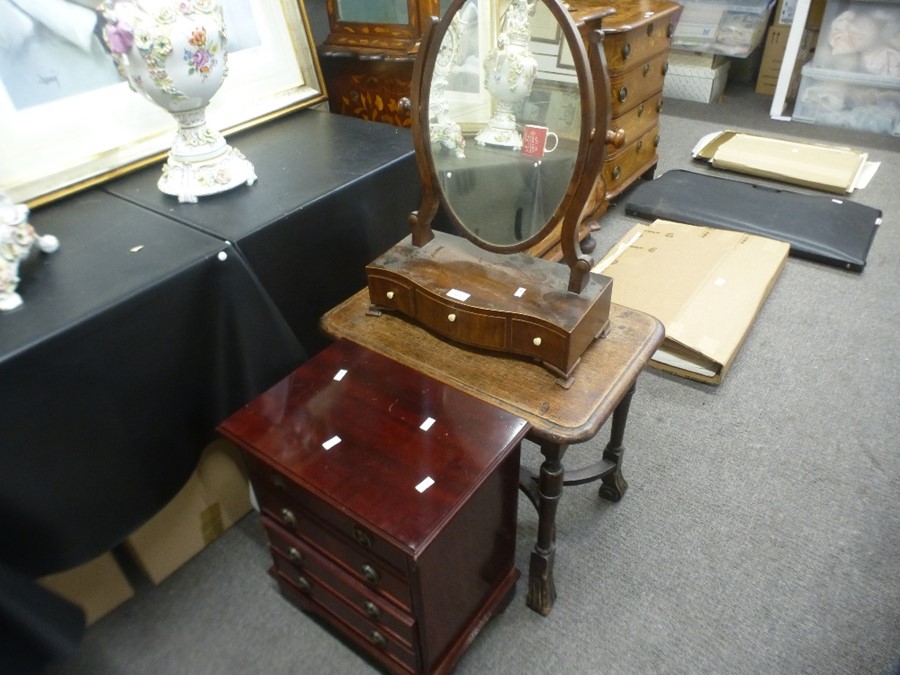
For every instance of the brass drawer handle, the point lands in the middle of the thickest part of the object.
(404, 104)
(362, 537)
(370, 573)
(623, 94)
(451, 318)
(378, 639)
(295, 555)
(626, 50)
(303, 584)
(372, 610)
(289, 518)
(616, 172)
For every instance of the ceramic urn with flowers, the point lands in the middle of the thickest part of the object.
(174, 53)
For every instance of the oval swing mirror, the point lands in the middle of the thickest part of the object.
(505, 118)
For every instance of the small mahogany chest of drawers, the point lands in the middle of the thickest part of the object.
(389, 501)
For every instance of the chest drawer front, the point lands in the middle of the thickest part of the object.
(629, 49)
(317, 598)
(298, 511)
(391, 293)
(620, 170)
(637, 121)
(295, 558)
(464, 325)
(630, 89)
(537, 340)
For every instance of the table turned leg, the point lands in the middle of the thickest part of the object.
(541, 588)
(613, 483)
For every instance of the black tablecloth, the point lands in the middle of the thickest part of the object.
(134, 340)
(334, 193)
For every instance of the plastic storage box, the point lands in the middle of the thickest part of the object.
(839, 98)
(853, 80)
(720, 27)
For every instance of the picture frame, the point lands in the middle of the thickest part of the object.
(65, 143)
(470, 103)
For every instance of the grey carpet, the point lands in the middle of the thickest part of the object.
(760, 532)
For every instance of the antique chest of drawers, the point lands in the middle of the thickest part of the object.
(636, 42)
(389, 501)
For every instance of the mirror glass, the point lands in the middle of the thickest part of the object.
(504, 119)
(373, 11)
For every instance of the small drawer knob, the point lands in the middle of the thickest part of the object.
(404, 104)
(370, 573)
(303, 584)
(623, 94)
(646, 69)
(451, 318)
(378, 639)
(626, 50)
(616, 172)
(362, 537)
(649, 29)
(288, 517)
(373, 610)
(640, 110)
(278, 481)
(390, 295)
(537, 342)
(295, 555)
(639, 145)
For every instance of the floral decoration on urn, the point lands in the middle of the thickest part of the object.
(17, 237)
(174, 53)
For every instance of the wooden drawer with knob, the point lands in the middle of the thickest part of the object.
(389, 501)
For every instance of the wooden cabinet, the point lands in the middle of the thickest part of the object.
(367, 59)
(389, 501)
(637, 38)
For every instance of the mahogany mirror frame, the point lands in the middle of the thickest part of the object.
(595, 121)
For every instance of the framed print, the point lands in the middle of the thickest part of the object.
(68, 121)
(472, 33)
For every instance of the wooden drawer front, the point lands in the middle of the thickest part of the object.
(630, 89)
(464, 325)
(317, 598)
(392, 293)
(295, 557)
(371, 89)
(632, 161)
(629, 49)
(637, 121)
(536, 340)
(352, 544)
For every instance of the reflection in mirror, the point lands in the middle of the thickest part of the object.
(368, 11)
(504, 118)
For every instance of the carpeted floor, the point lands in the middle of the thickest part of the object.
(760, 532)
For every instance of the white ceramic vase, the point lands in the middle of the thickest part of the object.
(174, 53)
(17, 237)
(509, 72)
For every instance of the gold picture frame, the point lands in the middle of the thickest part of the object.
(58, 143)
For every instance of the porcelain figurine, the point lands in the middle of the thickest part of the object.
(17, 237)
(174, 53)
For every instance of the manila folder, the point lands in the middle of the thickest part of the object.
(705, 285)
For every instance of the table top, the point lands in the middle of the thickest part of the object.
(607, 370)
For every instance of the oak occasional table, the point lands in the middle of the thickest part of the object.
(603, 385)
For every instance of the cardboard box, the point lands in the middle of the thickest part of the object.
(773, 57)
(215, 497)
(816, 165)
(784, 13)
(97, 586)
(705, 285)
(695, 76)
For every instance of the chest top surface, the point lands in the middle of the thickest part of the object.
(390, 446)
